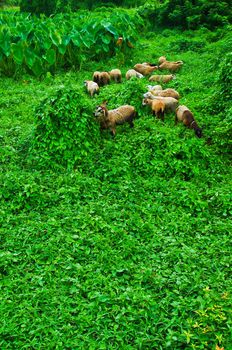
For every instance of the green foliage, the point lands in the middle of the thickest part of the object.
(65, 130)
(187, 14)
(39, 45)
(38, 6)
(132, 248)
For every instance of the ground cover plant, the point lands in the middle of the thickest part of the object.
(128, 246)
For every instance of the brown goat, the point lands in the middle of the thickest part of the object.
(157, 107)
(145, 68)
(116, 75)
(184, 115)
(108, 119)
(101, 78)
(166, 93)
(171, 66)
(162, 78)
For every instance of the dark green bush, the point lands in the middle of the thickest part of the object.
(66, 132)
(187, 14)
(38, 6)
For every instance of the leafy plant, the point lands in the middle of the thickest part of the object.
(65, 130)
(40, 45)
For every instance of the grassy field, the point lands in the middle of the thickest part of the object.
(131, 249)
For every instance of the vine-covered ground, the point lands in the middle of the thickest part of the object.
(130, 248)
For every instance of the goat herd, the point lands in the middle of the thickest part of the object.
(160, 101)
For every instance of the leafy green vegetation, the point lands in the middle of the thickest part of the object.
(120, 243)
(35, 45)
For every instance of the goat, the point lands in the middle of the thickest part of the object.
(184, 115)
(132, 73)
(166, 93)
(162, 59)
(145, 68)
(116, 75)
(157, 107)
(101, 78)
(108, 119)
(170, 102)
(162, 78)
(171, 66)
(92, 87)
(154, 87)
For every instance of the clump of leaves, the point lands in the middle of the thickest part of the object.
(130, 92)
(65, 129)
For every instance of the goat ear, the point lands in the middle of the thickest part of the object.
(104, 103)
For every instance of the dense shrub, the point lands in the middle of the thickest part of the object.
(38, 6)
(189, 14)
(65, 129)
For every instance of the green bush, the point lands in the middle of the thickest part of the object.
(65, 132)
(187, 14)
(38, 6)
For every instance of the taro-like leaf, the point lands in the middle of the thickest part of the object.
(56, 38)
(76, 39)
(62, 49)
(18, 52)
(5, 42)
(47, 43)
(50, 56)
(37, 67)
(106, 38)
(111, 29)
(29, 57)
(66, 40)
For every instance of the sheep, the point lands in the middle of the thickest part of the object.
(157, 107)
(145, 68)
(170, 102)
(166, 93)
(101, 78)
(171, 66)
(132, 73)
(162, 78)
(108, 119)
(116, 75)
(184, 115)
(154, 87)
(92, 87)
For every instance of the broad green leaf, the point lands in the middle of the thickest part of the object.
(18, 52)
(29, 57)
(5, 42)
(76, 39)
(62, 49)
(37, 67)
(50, 56)
(56, 38)
(106, 39)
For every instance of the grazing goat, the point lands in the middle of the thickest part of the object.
(170, 102)
(132, 73)
(108, 119)
(184, 115)
(145, 68)
(162, 59)
(154, 87)
(157, 107)
(92, 87)
(171, 66)
(101, 78)
(116, 75)
(162, 78)
(166, 93)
